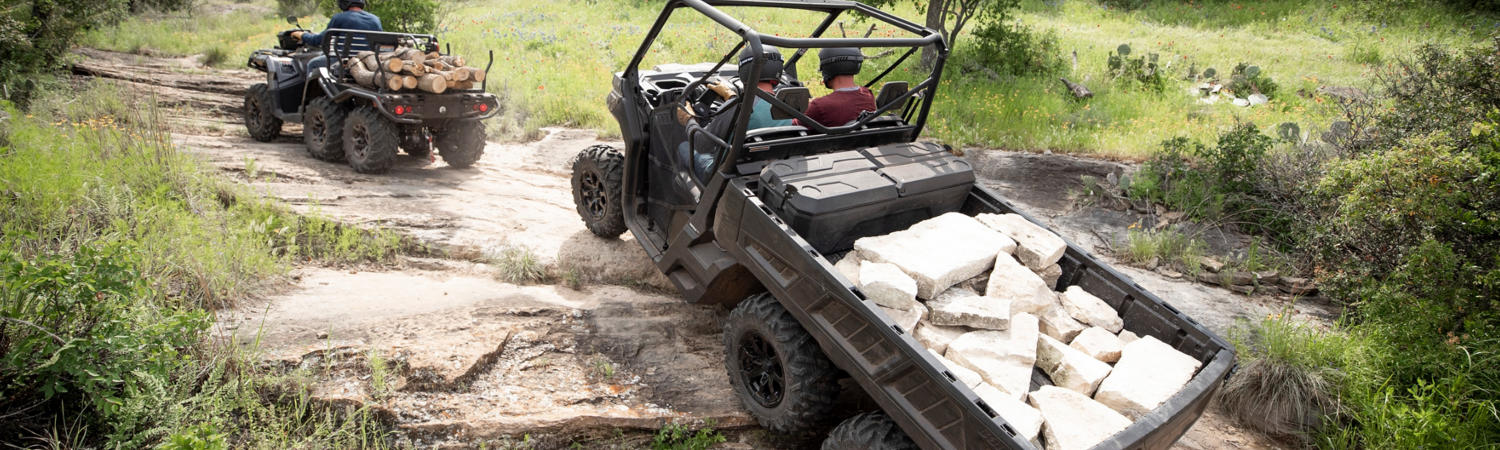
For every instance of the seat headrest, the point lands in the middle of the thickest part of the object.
(890, 92)
(795, 96)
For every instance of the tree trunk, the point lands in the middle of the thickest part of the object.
(936, 9)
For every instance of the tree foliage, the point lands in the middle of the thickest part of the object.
(405, 16)
(36, 34)
(950, 17)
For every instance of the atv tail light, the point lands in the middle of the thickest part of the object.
(401, 109)
(482, 107)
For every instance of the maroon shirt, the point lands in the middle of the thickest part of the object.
(840, 107)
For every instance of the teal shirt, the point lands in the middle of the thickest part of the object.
(760, 116)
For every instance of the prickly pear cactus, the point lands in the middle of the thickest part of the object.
(1124, 50)
(1289, 131)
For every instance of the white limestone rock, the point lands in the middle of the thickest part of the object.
(907, 319)
(1026, 420)
(1072, 421)
(937, 337)
(966, 308)
(1036, 247)
(968, 377)
(848, 266)
(888, 286)
(1149, 372)
(1058, 324)
(1003, 358)
(1069, 367)
(938, 252)
(1090, 310)
(1127, 336)
(1012, 281)
(1099, 343)
(1050, 275)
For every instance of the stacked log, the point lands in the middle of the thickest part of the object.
(407, 68)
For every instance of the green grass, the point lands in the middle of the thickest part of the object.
(555, 60)
(1167, 247)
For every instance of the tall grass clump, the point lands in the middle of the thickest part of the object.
(114, 249)
(1289, 376)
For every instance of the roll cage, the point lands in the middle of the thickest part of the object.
(925, 91)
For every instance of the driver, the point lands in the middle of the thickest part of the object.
(353, 17)
(848, 99)
(703, 151)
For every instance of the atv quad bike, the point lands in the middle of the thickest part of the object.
(343, 121)
(746, 237)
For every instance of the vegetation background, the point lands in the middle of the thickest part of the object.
(1374, 167)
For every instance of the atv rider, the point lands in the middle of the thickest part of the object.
(353, 17)
(703, 151)
(848, 99)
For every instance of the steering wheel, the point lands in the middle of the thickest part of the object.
(703, 101)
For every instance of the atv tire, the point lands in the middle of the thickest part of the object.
(323, 129)
(369, 141)
(417, 143)
(868, 431)
(598, 180)
(460, 143)
(776, 368)
(260, 119)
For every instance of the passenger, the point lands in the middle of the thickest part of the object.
(353, 17)
(703, 152)
(848, 99)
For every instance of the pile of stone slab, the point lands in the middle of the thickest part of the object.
(981, 294)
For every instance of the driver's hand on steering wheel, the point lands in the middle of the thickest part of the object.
(722, 88)
(297, 35)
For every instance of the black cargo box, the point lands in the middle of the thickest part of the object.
(832, 199)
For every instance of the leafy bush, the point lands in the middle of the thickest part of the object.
(1141, 70)
(37, 40)
(298, 8)
(1436, 89)
(405, 16)
(1247, 79)
(677, 436)
(1015, 49)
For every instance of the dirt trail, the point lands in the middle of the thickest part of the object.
(465, 359)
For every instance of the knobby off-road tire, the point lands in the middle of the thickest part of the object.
(260, 119)
(460, 143)
(369, 141)
(776, 367)
(416, 143)
(323, 129)
(868, 431)
(598, 183)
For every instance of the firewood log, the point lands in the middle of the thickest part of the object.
(453, 60)
(388, 80)
(363, 76)
(463, 85)
(434, 55)
(413, 68)
(459, 74)
(411, 54)
(433, 83)
(394, 64)
(408, 82)
(476, 73)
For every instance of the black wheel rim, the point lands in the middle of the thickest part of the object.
(317, 127)
(360, 139)
(760, 370)
(593, 195)
(254, 112)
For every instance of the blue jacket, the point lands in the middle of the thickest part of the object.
(348, 20)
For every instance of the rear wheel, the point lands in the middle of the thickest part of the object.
(260, 119)
(776, 367)
(868, 431)
(323, 129)
(369, 141)
(461, 143)
(598, 178)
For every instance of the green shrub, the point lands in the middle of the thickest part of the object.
(1139, 71)
(1015, 49)
(405, 16)
(1247, 79)
(1288, 378)
(677, 436)
(1435, 90)
(35, 42)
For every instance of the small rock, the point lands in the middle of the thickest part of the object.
(1210, 99)
(1240, 278)
(1012, 281)
(1153, 263)
(1173, 216)
(1149, 372)
(938, 252)
(322, 335)
(1243, 290)
(1257, 99)
(937, 337)
(1099, 343)
(848, 266)
(1003, 358)
(1267, 277)
(1169, 273)
(1056, 322)
(1036, 247)
(1050, 275)
(1211, 278)
(1072, 421)
(964, 308)
(1026, 420)
(1241, 102)
(1128, 336)
(1211, 265)
(975, 284)
(963, 374)
(907, 319)
(1068, 367)
(1090, 310)
(886, 285)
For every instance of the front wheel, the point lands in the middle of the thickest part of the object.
(260, 119)
(868, 431)
(776, 367)
(369, 141)
(461, 144)
(598, 179)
